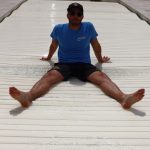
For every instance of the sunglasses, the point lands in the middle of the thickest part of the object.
(78, 14)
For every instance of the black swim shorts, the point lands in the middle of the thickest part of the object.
(79, 70)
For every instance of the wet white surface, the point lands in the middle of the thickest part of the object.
(74, 115)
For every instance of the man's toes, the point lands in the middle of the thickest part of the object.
(141, 91)
(13, 90)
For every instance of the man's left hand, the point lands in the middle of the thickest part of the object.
(105, 59)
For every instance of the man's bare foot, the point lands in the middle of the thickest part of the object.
(22, 97)
(133, 98)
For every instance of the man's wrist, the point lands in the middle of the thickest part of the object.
(100, 60)
(48, 57)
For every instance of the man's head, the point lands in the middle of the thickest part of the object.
(75, 13)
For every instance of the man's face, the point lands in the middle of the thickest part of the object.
(75, 16)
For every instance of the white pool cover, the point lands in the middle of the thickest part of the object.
(74, 115)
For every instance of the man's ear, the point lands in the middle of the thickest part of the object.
(82, 16)
(67, 15)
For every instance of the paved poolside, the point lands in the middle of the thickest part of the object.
(140, 7)
(8, 6)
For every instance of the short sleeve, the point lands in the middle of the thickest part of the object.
(94, 34)
(54, 33)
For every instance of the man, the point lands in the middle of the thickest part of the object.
(74, 39)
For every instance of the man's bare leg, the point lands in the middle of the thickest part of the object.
(111, 89)
(39, 89)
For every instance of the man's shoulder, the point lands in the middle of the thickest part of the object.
(87, 23)
(60, 25)
(88, 26)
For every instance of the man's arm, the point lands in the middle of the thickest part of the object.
(52, 49)
(98, 51)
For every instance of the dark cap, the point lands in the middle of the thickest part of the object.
(75, 5)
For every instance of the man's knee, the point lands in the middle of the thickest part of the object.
(98, 77)
(54, 76)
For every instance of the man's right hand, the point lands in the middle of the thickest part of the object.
(45, 58)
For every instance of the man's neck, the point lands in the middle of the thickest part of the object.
(74, 26)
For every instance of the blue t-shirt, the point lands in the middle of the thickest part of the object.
(74, 45)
